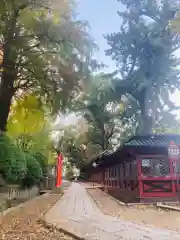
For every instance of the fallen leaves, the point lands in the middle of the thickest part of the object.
(142, 213)
(23, 223)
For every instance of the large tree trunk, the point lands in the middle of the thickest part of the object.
(6, 87)
(6, 94)
(145, 127)
(146, 123)
(8, 69)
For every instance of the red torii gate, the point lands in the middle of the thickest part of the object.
(59, 170)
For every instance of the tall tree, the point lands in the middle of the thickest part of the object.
(106, 114)
(44, 50)
(144, 50)
(27, 116)
(92, 105)
(73, 143)
(29, 126)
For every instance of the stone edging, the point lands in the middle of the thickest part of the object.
(6, 211)
(114, 199)
(158, 205)
(49, 225)
(21, 205)
(168, 207)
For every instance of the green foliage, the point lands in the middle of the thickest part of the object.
(45, 50)
(13, 165)
(28, 126)
(69, 172)
(27, 116)
(135, 98)
(28, 129)
(73, 145)
(93, 106)
(34, 171)
(19, 167)
(103, 115)
(144, 51)
(103, 111)
(38, 150)
(36, 143)
(42, 160)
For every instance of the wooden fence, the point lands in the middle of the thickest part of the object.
(48, 183)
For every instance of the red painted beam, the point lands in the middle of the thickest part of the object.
(59, 170)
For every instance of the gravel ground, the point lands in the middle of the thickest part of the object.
(23, 223)
(145, 214)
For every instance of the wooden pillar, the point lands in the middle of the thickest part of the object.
(123, 176)
(130, 175)
(173, 155)
(116, 177)
(110, 177)
(117, 173)
(106, 176)
(139, 176)
(172, 174)
(103, 177)
(120, 176)
(59, 170)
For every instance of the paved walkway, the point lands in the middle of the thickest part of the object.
(78, 214)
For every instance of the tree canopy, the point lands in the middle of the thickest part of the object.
(46, 57)
(135, 98)
(45, 50)
(47, 67)
(144, 50)
(27, 116)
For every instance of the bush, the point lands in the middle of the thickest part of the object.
(13, 165)
(69, 174)
(43, 161)
(34, 172)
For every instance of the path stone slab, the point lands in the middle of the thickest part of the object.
(77, 213)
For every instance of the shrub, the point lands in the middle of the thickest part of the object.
(13, 165)
(34, 172)
(43, 161)
(69, 174)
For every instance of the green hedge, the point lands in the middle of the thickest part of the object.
(13, 166)
(42, 160)
(34, 172)
(19, 167)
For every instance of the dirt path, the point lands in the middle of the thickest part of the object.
(24, 224)
(140, 214)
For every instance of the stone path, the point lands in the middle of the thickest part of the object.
(78, 214)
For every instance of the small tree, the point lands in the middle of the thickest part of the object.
(69, 172)
(43, 161)
(28, 126)
(34, 172)
(13, 165)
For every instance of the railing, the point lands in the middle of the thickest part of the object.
(48, 183)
